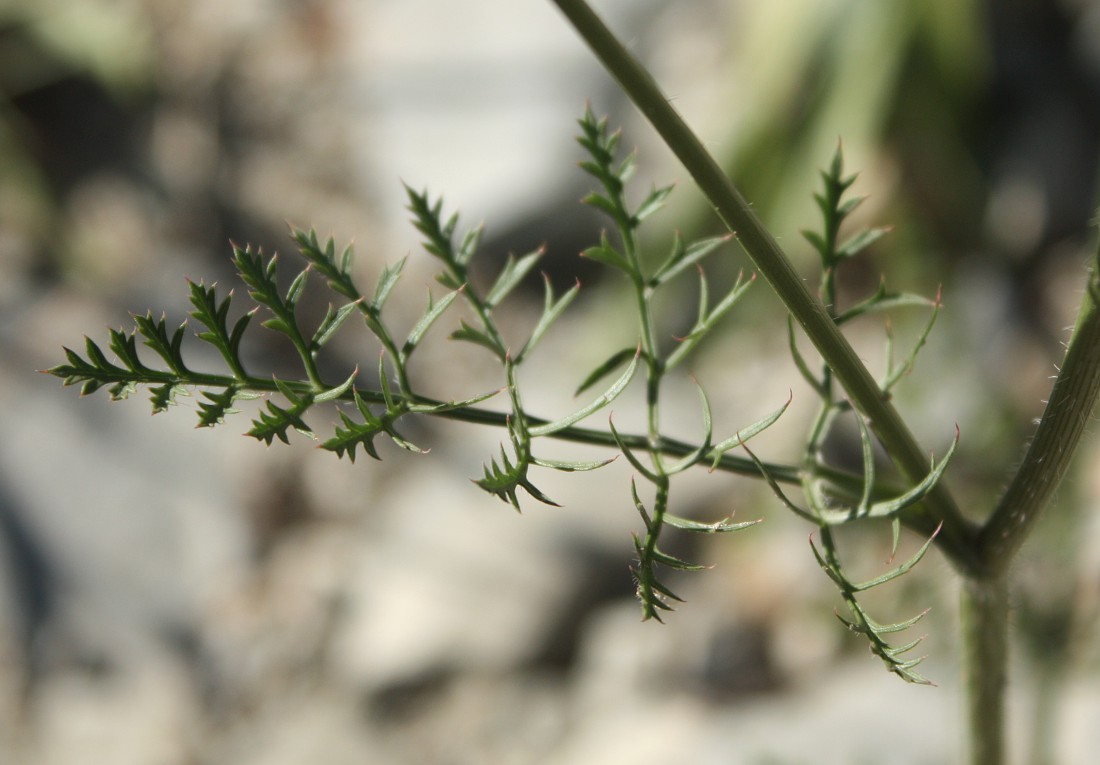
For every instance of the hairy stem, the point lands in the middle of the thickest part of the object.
(985, 658)
(957, 534)
(1071, 401)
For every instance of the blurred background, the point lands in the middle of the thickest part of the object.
(181, 597)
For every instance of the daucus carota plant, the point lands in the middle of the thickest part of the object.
(842, 385)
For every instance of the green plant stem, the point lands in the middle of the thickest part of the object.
(985, 620)
(1071, 401)
(985, 658)
(654, 365)
(957, 535)
(845, 482)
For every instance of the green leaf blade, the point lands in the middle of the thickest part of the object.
(511, 275)
(600, 402)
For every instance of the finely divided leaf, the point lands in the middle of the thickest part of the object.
(511, 275)
(740, 437)
(606, 368)
(424, 324)
(386, 282)
(477, 337)
(332, 321)
(861, 242)
(683, 257)
(551, 310)
(605, 253)
(653, 202)
(603, 400)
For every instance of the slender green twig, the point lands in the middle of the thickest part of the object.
(844, 482)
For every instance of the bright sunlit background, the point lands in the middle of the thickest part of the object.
(188, 597)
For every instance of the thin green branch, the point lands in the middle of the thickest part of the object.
(1071, 402)
(985, 659)
(957, 535)
(845, 483)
